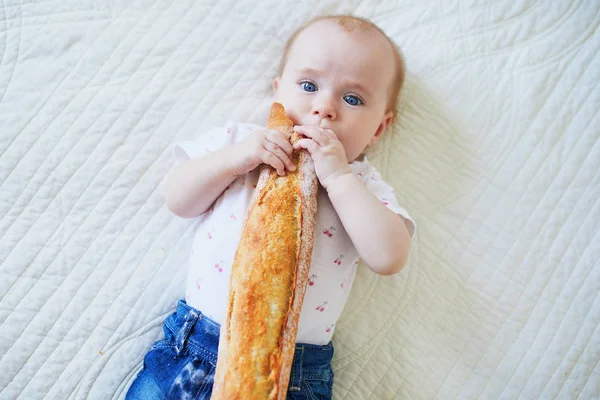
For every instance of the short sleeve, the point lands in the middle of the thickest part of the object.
(212, 140)
(384, 192)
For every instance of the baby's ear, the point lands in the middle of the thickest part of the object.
(275, 85)
(385, 122)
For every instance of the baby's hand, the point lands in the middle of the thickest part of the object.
(264, 147)
(327, 152)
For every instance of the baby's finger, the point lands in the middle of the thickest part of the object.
(279, 153)
(307, 144)
(280, 140)
(275, 162)
(330, 134)
(312, 132)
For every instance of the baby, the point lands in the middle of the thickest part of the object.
(339, 81)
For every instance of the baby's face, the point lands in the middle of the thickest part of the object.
(339, 80)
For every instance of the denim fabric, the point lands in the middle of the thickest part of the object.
(182, 366)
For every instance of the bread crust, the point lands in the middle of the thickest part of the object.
(268, 280)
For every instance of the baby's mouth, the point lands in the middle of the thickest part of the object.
(323, 123)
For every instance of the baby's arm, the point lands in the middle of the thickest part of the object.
(379, 235)
(192, 186)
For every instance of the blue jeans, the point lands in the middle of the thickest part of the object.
(182, 366)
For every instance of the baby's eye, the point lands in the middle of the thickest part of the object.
(308, 86)
(353, 100)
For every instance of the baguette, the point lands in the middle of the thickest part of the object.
(268, 280)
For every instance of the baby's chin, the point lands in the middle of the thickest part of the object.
(358, 157)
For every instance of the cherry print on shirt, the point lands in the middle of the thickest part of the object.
(219, 266)
(329, 328)
(198, 284)
(321, 307)
(384, 201)
(228, 130)
(233, 217)
(374, 179)
(338, 260)
(311, 280)
(329, 232)
(343, 283)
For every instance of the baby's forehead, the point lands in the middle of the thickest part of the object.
(360, 43)
(350, 27)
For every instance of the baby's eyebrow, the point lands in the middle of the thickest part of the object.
(347, 83)
(357, 85)
(310, 71)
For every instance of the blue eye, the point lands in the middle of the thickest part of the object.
(353, 100)
(309, 86)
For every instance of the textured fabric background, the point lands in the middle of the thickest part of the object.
(495, 152)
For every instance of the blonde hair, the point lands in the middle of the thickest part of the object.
(351, 23)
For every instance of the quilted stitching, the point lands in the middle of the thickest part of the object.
(495, 152)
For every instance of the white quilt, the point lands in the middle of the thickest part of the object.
(496, 153)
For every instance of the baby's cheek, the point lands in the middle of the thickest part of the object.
(350, 148)
(292, 113)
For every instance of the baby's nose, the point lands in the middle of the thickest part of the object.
(324, 109)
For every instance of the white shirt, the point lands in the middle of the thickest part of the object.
(334, 259)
